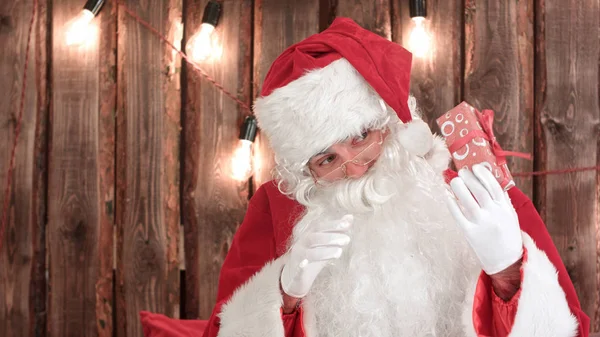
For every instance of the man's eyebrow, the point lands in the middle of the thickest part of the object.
(328, 150)
(322, 152)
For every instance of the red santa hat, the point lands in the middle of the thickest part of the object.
(330, 86)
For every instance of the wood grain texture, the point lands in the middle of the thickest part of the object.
(38, 285)
(277, 25)
(371, 15)
(436, 79)
(213, 203)
(107, 19)
(22, 255)
(148, 127)
(499, 73)
(567, 117)
(77, 234)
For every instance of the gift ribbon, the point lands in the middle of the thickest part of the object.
(486, 119)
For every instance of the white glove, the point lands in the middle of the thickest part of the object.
(311, 253)
(487, 218)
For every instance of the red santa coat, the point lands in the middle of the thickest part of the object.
(263, 236)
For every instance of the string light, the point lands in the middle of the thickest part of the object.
(204, 44)
(241, 161)
(78, 30)
(419, 40)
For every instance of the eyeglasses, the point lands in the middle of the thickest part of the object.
(332, 169)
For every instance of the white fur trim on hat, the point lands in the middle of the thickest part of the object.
(322, 107)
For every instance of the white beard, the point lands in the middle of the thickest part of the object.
(407, 268)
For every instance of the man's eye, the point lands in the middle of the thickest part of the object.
(327, 160)
(359, 139)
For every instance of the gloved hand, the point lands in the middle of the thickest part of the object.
(486, 215)
(311, 252)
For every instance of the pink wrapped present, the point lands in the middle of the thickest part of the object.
(470, 139)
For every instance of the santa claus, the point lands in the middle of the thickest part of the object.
(360, 233)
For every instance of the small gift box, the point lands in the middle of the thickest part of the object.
(470, 139)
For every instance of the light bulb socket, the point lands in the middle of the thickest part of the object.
(417, 8)
(249, 129)
(212, 13)
(93, 6)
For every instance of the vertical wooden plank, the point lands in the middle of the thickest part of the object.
(371, 15)
(38, 284)
(107, 19)
(436, 78)
(80, 227)
(148, 124)
(22, 253)
(277, 25)
(499, 73)
(567, 118)
(213, 203)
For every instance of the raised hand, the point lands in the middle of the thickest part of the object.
(486, 215)
(311, 252)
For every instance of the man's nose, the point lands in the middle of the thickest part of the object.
(348, 154)
(355, 170)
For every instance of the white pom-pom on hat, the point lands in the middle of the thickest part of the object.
(416, 137)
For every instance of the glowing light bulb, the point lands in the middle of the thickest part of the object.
(241, 162)
(419, 40)
(203, 44)
(78, 30)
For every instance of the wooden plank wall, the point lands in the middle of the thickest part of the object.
(78, 222)
(567, 120)
(372, 15)
(498, 73)
(117, 134)
(213, 203)
(147, 164)
(22, 257)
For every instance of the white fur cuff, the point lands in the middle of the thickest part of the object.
(543, 310)
(255, 307)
